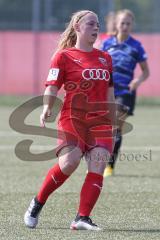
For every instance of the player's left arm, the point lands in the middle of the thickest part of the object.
(112, 111)
(136, 82)
(110, 95)
(111, 105)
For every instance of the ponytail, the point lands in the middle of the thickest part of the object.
(69, 37)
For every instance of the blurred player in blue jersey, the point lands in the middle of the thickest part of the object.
(126, 52)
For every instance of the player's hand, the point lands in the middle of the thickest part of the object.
(134, 84)
(45, 114)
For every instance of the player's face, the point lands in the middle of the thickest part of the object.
(124, 24)
(88, 28)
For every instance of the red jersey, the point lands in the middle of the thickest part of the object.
(88, 73)
(86, 77)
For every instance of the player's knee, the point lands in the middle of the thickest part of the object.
(98, 157)
(69, 158)
(99, 154)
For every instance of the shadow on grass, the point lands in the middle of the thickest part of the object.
(132, 230)
(104, 229)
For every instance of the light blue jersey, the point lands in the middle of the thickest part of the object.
(125, 56)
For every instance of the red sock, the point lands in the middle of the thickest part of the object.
(54, 179)
(90, 192)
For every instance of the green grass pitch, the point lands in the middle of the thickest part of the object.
(128, 208)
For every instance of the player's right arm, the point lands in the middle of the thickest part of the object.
(53, 83)
(48, 102)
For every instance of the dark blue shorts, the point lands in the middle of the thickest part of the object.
(127, 103)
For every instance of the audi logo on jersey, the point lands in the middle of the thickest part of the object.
(96, 74)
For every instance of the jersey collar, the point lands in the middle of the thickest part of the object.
(116, 42)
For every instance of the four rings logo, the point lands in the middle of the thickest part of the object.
(96, 74)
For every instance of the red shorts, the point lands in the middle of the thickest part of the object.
(84, 134)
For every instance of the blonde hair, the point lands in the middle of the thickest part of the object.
(68, 38)
(125, 12)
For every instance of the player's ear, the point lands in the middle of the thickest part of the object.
(76, 27)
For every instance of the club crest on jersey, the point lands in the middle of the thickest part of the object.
(103, 61)
(53, 74)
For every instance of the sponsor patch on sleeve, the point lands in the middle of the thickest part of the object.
(53, 74)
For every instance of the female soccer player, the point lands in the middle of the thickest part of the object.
(86, 74)
(126, 52)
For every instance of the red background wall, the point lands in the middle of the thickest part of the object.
(25, 59)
